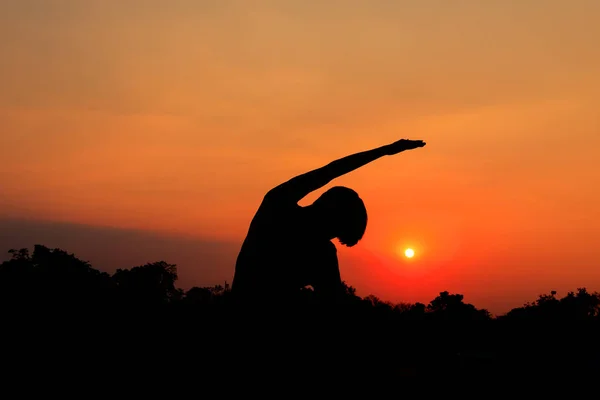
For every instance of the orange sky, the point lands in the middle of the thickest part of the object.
(177, 116)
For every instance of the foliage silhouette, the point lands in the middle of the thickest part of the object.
(140, 311)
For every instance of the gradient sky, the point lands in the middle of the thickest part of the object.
(173, 118)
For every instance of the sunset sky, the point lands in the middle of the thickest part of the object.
(139, 130)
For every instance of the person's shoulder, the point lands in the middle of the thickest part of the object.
(277, 198)
(274, 194)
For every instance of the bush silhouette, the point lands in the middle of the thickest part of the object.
(141, 311)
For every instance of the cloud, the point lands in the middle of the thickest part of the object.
(200, 261)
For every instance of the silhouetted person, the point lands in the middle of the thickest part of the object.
(289, 247)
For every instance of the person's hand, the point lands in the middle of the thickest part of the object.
(402, 145)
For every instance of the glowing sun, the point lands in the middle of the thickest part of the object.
(410, 253)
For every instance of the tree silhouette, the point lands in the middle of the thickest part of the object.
(52, 278)
(451, 307)
(145, 305)
(148, 285)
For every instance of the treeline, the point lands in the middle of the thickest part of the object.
(51, 287)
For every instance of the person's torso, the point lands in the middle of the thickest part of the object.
(280, 253)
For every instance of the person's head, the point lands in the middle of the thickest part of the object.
(344, 214)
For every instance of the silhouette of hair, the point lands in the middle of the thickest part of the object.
(348, 212)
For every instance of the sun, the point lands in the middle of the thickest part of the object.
(410, 253)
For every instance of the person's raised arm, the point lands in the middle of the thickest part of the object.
(300, 186)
